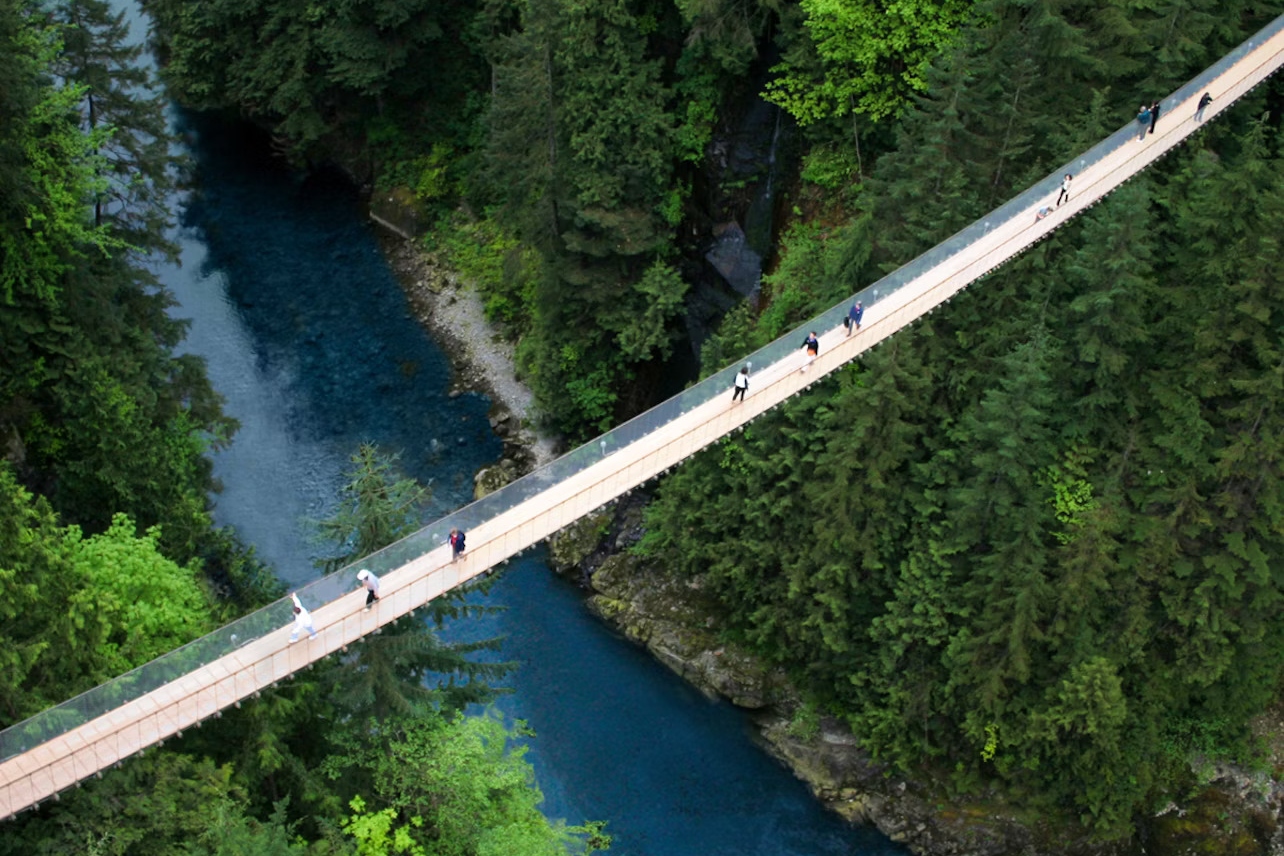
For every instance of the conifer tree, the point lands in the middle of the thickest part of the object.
(120, 94)
(405, 669)
(580, 152)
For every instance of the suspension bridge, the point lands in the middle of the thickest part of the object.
(73, 741)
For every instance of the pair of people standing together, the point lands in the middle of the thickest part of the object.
(1146, 119)
(303, 619)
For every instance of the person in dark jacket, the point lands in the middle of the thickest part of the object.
(1154, 116)
(456, 544)
(812, 344)
(853, 317)
(1204, 101)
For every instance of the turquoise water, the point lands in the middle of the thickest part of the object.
(309, 338)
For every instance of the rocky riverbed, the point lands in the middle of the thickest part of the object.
(482, 360)
(1233, 813)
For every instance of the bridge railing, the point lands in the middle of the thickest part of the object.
(61, 718)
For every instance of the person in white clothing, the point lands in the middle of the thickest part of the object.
(1064, 195)
(302, 620)
(741, 385)
(371, 584)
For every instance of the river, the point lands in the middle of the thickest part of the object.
(308, 336)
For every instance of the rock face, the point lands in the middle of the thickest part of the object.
(679, 622)
(675, 622)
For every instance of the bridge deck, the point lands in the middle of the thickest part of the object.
(61, 762)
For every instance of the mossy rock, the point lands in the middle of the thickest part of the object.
(490, 479)
(568, 548)
(1214, 824)
(606, 608)
(616, 576)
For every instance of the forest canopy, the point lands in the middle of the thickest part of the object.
(108, 553)
(1032, 543)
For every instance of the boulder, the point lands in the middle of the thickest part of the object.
(568, 548)
(491, 479)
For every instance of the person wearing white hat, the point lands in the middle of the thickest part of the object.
(302, 620)
(371, 583)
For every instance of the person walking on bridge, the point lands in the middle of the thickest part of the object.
(371, 584)
(302, 620)
(1143, 120)
(1064, 195)
(1154, 116)
(854, 315)
(1204, 101)
(456, 544)
(812, 344)
(741, 384)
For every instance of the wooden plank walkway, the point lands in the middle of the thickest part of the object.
(63, 761)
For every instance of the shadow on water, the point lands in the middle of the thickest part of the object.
(308, 336)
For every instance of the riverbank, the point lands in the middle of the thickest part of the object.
(481, 359)
(1227, 810)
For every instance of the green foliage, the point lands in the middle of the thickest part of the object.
(433, 182)
(82, 610)
(1032, 539)
(54, 170)
(828, 167)
(133, 604)
(727, 32)
(661, 289)
(460, 787)
(375, 835)
(377, 506)
(863, 57)
(805, 724)
(503, 270)
(311, 69)
(105, 418)
(578, 163)
(136, 162)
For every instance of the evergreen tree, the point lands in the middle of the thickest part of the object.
(579, 153)
(391, 672)
(119, 94)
